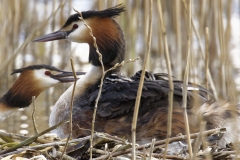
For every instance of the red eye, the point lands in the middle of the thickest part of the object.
(47, 73)
(75, 26)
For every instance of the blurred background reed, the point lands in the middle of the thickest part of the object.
(21, 21)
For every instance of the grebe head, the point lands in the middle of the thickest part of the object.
(109, 35)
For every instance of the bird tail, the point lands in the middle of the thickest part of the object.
(222, 114)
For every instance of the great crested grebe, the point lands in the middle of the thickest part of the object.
(115, 108)
(31, 82)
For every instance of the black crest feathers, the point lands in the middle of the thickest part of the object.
(109, 12)
(36, 67)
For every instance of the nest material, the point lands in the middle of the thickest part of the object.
(48, 146)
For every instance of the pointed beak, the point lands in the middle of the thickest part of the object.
(52, 36)
(66, 76)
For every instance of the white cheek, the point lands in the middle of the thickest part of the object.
(49, 82)
(43, 80)
(77, 34)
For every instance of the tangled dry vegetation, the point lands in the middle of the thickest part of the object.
(48, 146)
(212, 64)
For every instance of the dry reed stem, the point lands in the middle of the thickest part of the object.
(139, 92)
(71, 107)
(206, 57)
(171, 87)
(160, 156)
(185, 79)
(6, 139)
(65, 146)
(151, 149)
(99, 151)
(72, 98)
(224, 153)
(231, 85)
(201, 138)
(223, 58)
(47, 145)
(13, 136)
(209, 76)
(197, 143)
(205, 143)
(178, 37)
(31, 139)
(33, 116)
(63, 156)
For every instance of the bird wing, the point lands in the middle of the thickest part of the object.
(118, 97)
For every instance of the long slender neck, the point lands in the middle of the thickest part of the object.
(83, 84)
(15, 99)
(110, 41)
(18, 96)
(91, 78)
(21, 93)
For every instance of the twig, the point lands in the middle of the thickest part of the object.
(205, 143)
(33, 119)
(151, 149)
(157, 143)
(171, 88)
(185, 79)
(7, 137)
(71, 106)
(197, 142)
(139, 92)
(13, 136)
(99, 151)
(160, 156)
(223, 153)
(64, 156)
(31, 139)
(47, 145)
(80, 128)
(116, 139)
(101, 135)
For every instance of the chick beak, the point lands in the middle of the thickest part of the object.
(65, 76)
(52, 36)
